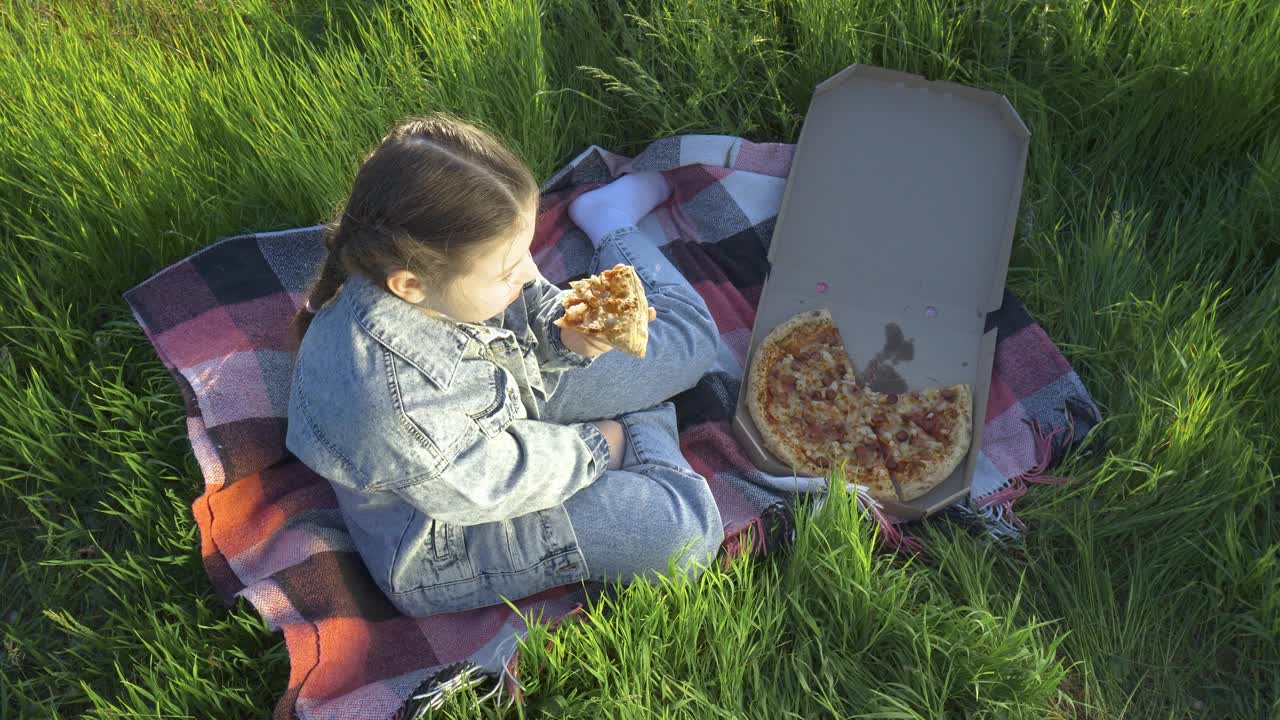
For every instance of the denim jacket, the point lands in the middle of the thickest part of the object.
(428, 431)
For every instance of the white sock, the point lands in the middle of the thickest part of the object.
(619, 204)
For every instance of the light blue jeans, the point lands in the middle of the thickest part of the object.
(631, 521)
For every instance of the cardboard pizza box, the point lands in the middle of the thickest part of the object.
(898, 216)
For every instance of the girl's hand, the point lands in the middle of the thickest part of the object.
(584, 345)
(588, 346)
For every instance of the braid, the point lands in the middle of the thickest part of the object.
(332, 274)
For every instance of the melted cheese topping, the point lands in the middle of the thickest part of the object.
(817, 400)
(600, 304)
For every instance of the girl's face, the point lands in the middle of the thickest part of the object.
(493, 281)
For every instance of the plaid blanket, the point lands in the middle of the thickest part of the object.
(270, 529)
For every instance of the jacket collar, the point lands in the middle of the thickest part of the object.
(433, 345)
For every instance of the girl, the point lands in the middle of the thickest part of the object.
(469, 440)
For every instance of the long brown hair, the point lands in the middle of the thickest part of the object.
(435, 190)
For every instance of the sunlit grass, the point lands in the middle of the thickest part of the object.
(135, 133)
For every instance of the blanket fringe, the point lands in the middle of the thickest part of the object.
(461, 677)
(746, 540)
(890, 535)
(509, 678)
(1004, 498)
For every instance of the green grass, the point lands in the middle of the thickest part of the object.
(1148, 246)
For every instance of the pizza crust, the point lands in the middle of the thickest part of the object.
(634, 338)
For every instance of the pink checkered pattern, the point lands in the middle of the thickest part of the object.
(270, 530)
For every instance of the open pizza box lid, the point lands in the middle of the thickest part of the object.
(898, 217)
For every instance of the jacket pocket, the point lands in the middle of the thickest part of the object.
(442, 547)
(432, 553)
(494, 419)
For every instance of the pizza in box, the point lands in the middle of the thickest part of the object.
(812, 412)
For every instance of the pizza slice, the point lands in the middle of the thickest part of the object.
(932, 429)
(610, 306)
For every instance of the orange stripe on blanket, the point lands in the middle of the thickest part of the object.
(304, 651)
(204, 521)
(245, 515)
(357, 652)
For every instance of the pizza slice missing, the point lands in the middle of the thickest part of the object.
(610, 306)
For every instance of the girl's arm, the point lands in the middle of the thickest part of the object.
(531, 465)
